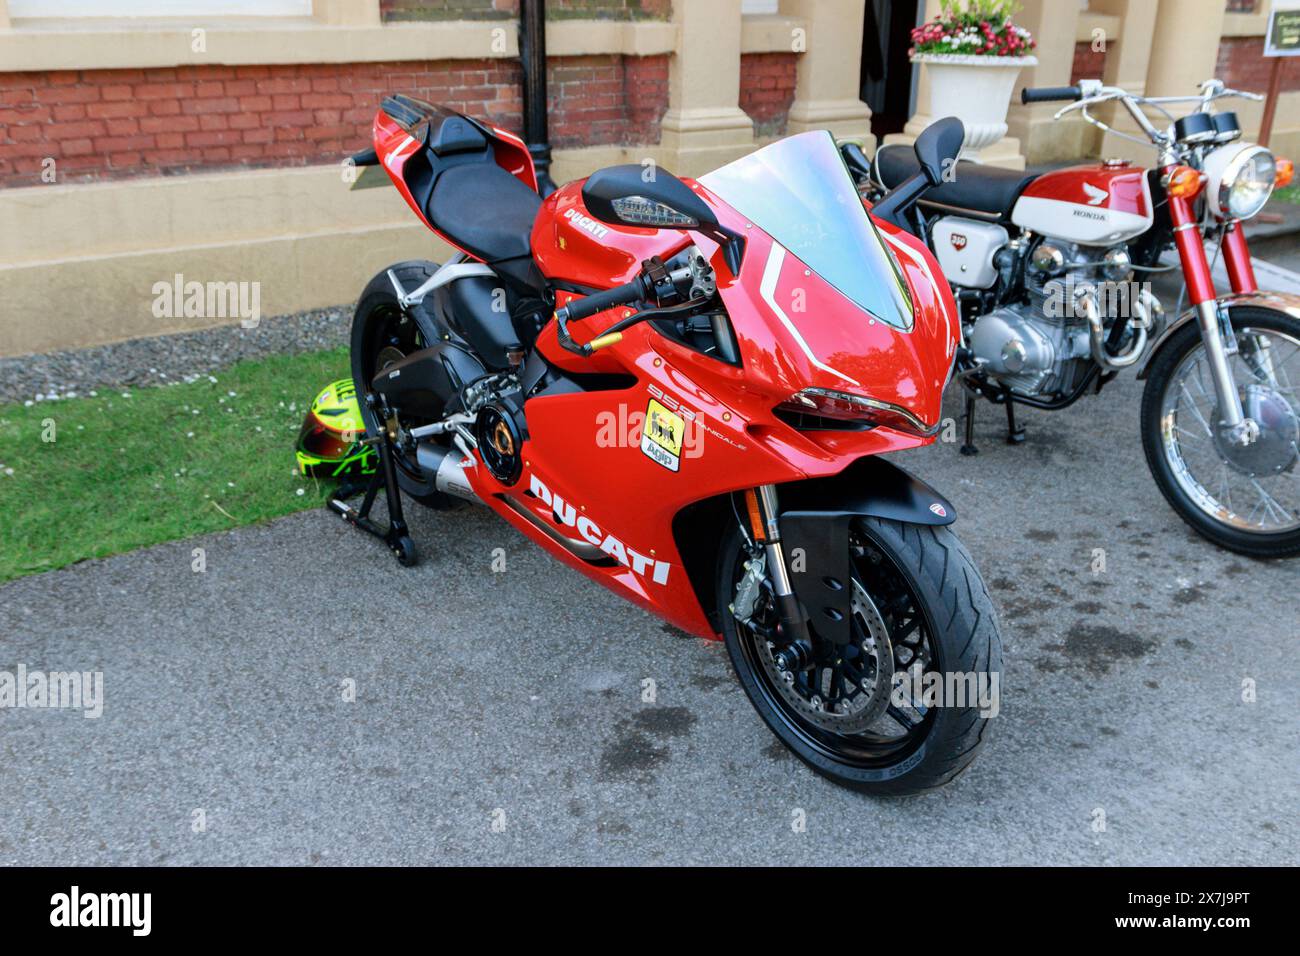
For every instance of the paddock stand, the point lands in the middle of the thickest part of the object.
(396, 535)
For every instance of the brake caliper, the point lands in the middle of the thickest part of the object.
(749, 589)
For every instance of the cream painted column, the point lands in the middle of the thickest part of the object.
(1031, 131)
(826, 94)
(1128, 57)
(1184, 50)
(705, 127)
(4, 14)
(1185, 47)
(345, 12)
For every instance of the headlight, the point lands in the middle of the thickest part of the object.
(1240, 180)
(857, 409)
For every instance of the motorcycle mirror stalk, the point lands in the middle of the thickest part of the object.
(936, 148)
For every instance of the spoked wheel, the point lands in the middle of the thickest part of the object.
(837, 708)
(1244, 497)
(384, 333)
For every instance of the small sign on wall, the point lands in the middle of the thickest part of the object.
(1283, 36)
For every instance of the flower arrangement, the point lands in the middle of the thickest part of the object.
(973, 28)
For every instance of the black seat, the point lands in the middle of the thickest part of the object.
(484, 210)
(986, 189)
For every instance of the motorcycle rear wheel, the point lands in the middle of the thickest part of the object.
(382, 333)
(937, 615)
(1196, 473)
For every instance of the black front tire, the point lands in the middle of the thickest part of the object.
(963, 625)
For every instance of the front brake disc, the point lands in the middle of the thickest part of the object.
(846, 694)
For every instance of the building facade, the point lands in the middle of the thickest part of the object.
(205, 137)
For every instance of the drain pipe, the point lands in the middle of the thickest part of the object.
(532, 54)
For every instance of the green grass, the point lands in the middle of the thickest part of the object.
(1291, 194)
(133, 467)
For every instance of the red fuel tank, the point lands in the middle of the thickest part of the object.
(569, 245)
(1092, 205)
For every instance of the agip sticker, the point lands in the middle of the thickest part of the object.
(662, 435)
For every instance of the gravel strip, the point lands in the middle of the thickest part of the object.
(168, 358)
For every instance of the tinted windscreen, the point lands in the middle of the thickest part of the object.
(798, 191)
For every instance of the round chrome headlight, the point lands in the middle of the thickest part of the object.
(1239, 180)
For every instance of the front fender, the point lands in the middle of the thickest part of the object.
(1280, 301)
(815, 519)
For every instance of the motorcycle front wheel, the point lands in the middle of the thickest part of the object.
(1245, 498)
(866, 715)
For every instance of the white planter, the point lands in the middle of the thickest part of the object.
(975, 89)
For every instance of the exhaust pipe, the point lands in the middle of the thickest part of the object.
(1085, 302)
(447, 465)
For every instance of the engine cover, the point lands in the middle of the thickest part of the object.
(1009, 344)
(965, 248)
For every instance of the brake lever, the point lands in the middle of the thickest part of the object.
(614, 334)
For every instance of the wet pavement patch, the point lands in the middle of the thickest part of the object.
(665, 721)
(631, 755)
(1098, 647)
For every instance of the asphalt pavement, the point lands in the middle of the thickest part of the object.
(499, 716)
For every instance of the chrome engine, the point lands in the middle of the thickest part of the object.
(1074, 296)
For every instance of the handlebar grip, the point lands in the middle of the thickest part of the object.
(600, 301)
(1048, 94)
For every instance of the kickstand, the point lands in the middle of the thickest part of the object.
(1015, 433)
(396, 535)
(968, 447)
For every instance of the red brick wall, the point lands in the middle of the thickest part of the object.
(1089, 64)
(1243, 66)
(606, 99)
(767, 84)
(110, 124)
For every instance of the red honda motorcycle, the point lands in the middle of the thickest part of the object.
(684, 390)
(1051, 275)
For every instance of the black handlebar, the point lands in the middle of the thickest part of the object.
(1048, 94)
(588, 306)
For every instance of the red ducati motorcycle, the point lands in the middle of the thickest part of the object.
(684, 390)
(1051, 272)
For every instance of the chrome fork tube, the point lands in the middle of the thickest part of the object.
(1225, 388)
(796, 627)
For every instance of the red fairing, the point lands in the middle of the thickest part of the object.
(570, 246)
(1124, 187)
(513, 156)
(585, 476)
(588, 493)
(395, 146)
